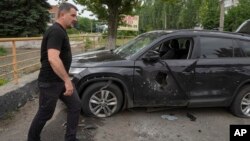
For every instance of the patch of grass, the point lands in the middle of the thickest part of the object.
(88, 43)
(8, 116)
(3, 51)
(3, 81)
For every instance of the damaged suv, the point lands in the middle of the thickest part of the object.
(188, 68)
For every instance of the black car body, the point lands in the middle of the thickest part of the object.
(167, 68)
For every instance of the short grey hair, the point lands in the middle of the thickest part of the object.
(65, 7)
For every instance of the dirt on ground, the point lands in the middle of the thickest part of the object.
(137, 124)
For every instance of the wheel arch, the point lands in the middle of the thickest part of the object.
(109, 78)
(242, 85)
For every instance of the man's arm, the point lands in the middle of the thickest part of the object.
(58, 68)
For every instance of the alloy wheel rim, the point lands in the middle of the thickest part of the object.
(103, 103)
(245, 105)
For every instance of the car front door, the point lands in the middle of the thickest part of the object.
(164, 82)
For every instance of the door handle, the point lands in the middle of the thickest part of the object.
(138, 70)
(188, 72)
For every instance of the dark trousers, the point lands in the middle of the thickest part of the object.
(49, 94)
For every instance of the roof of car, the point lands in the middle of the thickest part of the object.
(202, 33)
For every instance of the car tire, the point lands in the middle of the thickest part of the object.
(101, 100)
(241, 104)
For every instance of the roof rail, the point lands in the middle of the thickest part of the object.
(216, 31)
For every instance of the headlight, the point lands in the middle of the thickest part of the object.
(73, 71)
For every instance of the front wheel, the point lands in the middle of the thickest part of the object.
(241, 104)
(100, 100)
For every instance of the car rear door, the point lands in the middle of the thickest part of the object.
(216, 75)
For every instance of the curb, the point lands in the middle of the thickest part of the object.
(14, 96)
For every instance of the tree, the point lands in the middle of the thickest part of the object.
(159, 15)
(189, 16)
(210, 14)
(172, 10)
(23, 17)
(237, 15)
(151, 16)
(85, 24)
(110, 11)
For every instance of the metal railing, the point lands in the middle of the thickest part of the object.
(23, 59)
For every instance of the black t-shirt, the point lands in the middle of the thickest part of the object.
(55, 37)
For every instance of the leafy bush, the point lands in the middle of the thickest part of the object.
(122, 34)
(3, 51)
(72, 31)
(3, 81)
(126, 33)
(88, 43)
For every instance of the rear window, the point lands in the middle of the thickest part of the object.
(245, 45)
(212, 47)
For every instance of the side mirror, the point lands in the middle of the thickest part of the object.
(151, 56)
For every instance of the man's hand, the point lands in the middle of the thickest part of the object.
(58, 68)
(68, 88)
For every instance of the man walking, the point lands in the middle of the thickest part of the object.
(53, 81)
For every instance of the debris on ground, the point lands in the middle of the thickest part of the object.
(32, 99)
(90, 127)
(81, 125)
(191, 117)
(64, 125)
(153, 109)
(199, 131)
(169, 117)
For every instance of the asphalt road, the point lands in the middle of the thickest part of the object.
(210, 124)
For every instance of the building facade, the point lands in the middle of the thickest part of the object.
(53, 14)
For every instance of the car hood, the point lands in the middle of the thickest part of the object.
(95, 57)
